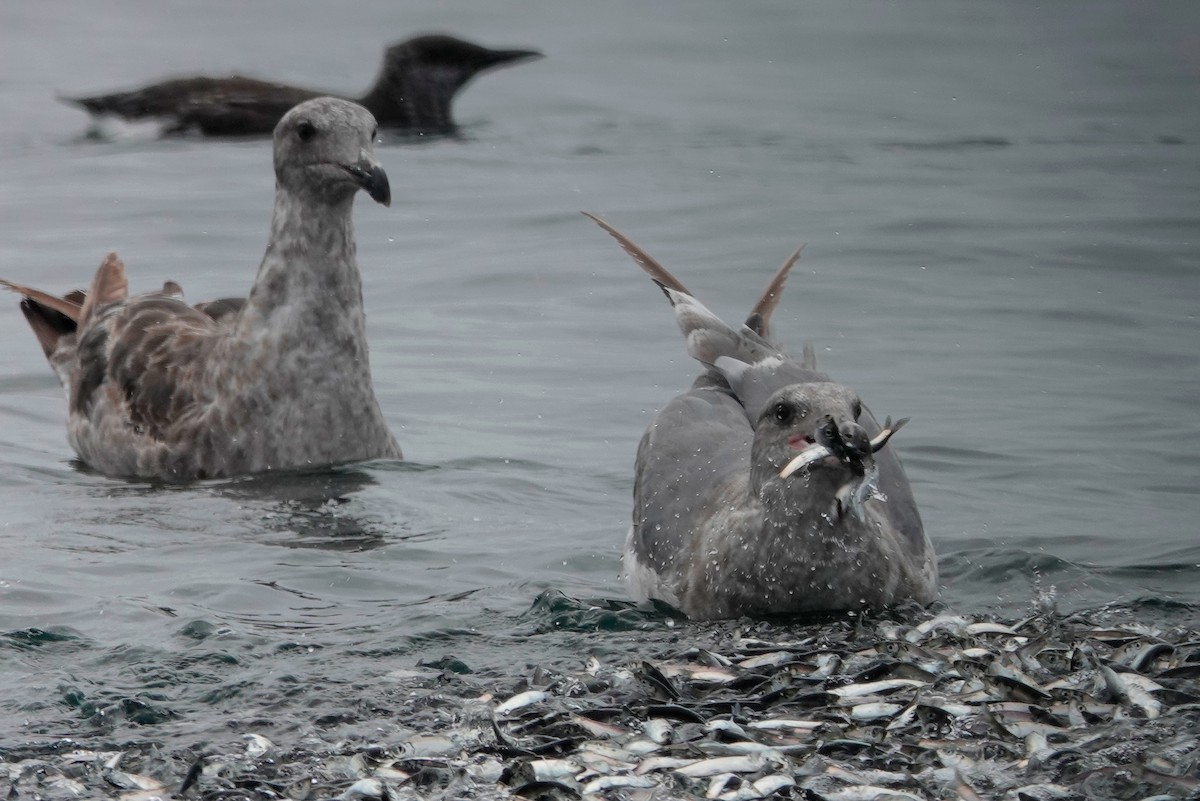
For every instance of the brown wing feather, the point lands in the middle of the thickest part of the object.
(152, 346)
(109, 286)
(657, 272)
(759, 320)
(136, 354)
(67, 306)
(50, 317)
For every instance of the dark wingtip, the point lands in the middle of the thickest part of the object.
(666, 290)
(757, 324)
(222, 307)
(48, 325)
(759, 320)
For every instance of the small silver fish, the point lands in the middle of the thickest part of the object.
(716, 747)
(857, 491)
(702, 673)
(598, 728)
(869, 792)
(811, 454)
(545, 770)
(431, 745)
(904, 718)
(130, 781)
(874, 711)
(1037, 747)
(772, 659)
(718, 783)
(1046, 792)
(817, 452)
(874, 687)
(944, 620)
(792, 724)
(749, 763)
(521, 700)
(655, 763)
(641, 746)
(603, 783)
(257, 745)
(363, 788)
(603, 757)
(768, 785)
(988, 627)
(391, 773)
(1133, 690)
(659, 730)
(727, 727)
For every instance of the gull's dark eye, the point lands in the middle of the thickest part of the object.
(783, 413)
(306, 131)
(374, 133)
(857, 408)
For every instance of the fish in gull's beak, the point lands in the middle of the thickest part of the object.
(847, 442)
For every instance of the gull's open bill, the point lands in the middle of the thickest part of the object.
(815, 453)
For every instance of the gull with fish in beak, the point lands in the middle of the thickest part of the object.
(767, 488)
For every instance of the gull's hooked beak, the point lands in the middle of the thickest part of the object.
(849, 443)
(368, 174)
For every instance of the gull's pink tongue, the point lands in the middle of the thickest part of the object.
(800, 441)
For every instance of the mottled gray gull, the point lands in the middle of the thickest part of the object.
(766, 487)
(413, 92)
(158, 389)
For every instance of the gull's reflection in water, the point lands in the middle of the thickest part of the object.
(313, 509)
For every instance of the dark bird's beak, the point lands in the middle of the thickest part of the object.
(495, 58)
(371, 177)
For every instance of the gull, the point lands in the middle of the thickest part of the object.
(766, 488)
(280, 380)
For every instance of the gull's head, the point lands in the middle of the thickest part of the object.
(817, 418)
(809, 438)
(325, 149)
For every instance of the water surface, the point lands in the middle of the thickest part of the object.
(999, 203)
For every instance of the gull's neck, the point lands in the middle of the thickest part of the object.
(308, 283)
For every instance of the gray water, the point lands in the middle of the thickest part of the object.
(1000, 208)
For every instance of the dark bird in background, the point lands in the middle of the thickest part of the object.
(414, 91)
